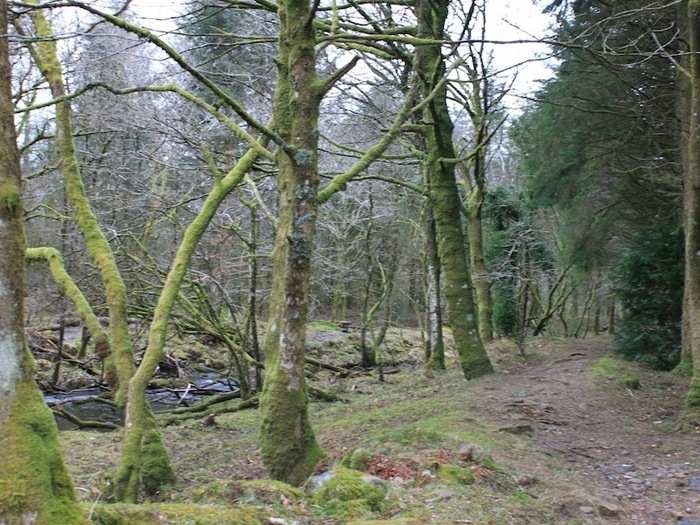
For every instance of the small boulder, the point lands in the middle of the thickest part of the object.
(344, 485)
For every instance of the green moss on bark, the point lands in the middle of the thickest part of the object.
(444, 194)
(34, 485)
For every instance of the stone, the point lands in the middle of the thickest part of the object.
(608, 510)
(689, 521)
(585, 509)
(518, 430)
(694, 482)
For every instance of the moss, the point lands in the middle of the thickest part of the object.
(357, 459)
(173, 514)
(284, 413)
(350, 493)
(693, 397)
(684, 368)
(33, 478)
(10, 195)
(156, 471)
(612, 369)
(455, 474)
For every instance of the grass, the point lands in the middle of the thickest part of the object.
(613, 369)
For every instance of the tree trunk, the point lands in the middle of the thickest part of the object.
(444, 196)
(366, 353)
(435, 353)
(120, 366)
(692, 201)
(480, 277)
(685, 366)
(611, 316)
(288, 446)
(34, 484)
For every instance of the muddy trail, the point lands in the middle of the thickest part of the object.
(618, 443)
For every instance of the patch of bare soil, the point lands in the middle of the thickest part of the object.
(618, 445)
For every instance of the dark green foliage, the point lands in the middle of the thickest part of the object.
(649, 282)
(505, 316)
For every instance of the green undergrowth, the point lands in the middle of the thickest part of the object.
(173, 514)
(616, 370)
(416, 424)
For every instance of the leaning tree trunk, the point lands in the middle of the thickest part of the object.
(34, 485)
(289, 449)
(120, 365)
(692, 201)
(444, 195)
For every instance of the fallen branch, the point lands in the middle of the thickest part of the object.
(201, 407)
(83, 423)
(253, 402)
(344, 372)
(324, 395)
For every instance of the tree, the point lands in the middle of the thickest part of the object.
(34, 484)
(443, 193)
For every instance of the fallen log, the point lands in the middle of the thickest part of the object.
(252, 402)
(83, 423)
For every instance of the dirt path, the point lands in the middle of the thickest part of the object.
(617, 442)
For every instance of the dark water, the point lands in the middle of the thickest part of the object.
(90, 404)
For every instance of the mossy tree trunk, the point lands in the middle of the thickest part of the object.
(34, 484)
(144, 461)
(120, 363)
(479, 273)
(692, 201)
(68, 287)
(444, 195)
(289, 449)
(435, 352)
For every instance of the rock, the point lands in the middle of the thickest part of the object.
(608, 510)
(518, 430)
(443, 494)
(528, 481)
(347, 488)
(315, 483)
(689, 521)
(585, 509)
(694, 482)
(471, 453)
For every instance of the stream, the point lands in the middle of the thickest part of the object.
(91, 404)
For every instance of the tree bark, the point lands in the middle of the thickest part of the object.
(685, 366)
(435, 354)
(34, 484)
(692, 201)
(444, 195)
(287, 442)
(120, 364)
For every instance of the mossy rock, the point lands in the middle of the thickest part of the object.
(173, 514)
(246, 491)
(357, 459)
(347, 493)
(455, 474)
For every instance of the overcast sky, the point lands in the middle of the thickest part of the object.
(507, 20)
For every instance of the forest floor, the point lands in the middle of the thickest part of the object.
(570, 436)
